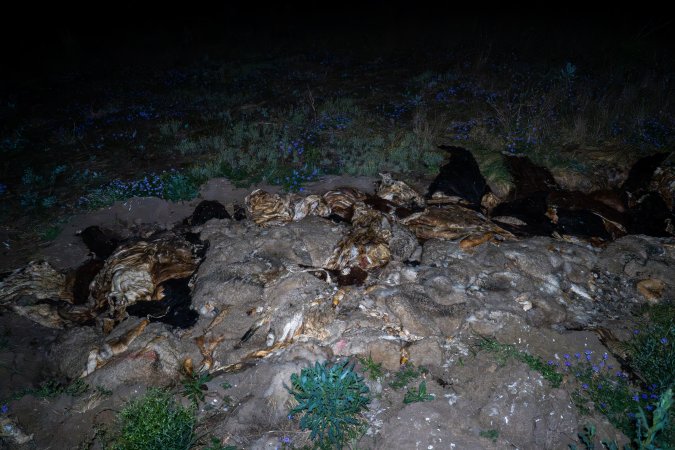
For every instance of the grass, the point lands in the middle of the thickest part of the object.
(53, 388)
(155, 421)
(504, 352)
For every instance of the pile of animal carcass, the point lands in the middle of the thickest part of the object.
(395, 275)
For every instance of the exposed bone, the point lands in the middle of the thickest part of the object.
(98, 357)
(206, 348)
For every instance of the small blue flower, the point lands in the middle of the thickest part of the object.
(605, 356)
(577, 355)
(664, 341)
(566, 356)
(644, 396)
(636, 332)
(4, 408)
(649, 407)
(585, 386)
(636, 398)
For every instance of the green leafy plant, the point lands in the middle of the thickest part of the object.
(414, 395)
(645, 435)
(330, 402)
(373, 369)
(586, 437)
(155, 421)
(406, 374)
(632, 407)
(194, 386)
(504, 352)
(652, 348)
(217, 445)
(490, 434)
(53, 388)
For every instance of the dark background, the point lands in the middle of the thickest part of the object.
(40, 38)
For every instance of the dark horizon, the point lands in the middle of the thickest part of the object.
(56, 35)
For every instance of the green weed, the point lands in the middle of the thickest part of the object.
(373, 369)
(53, 388)
(420, 394)
(652, 348)
(194, 386)
(646, 434)
(406, 374)
(155, 422)
(217, 445)
(493, 435)
(330, 402)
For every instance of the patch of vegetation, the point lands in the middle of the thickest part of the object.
(217, 445)
(330, 402)
(493, 435)
(51, 232)
(632, 406)
(52, 388)
(652, 348)
(504, 352)
(194, 386)
(172, 185)
(155, 421)
(646, 434)
(373, 369)
(604, 387)
(420, 394)
(406, 374)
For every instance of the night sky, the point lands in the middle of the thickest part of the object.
(37, 40)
